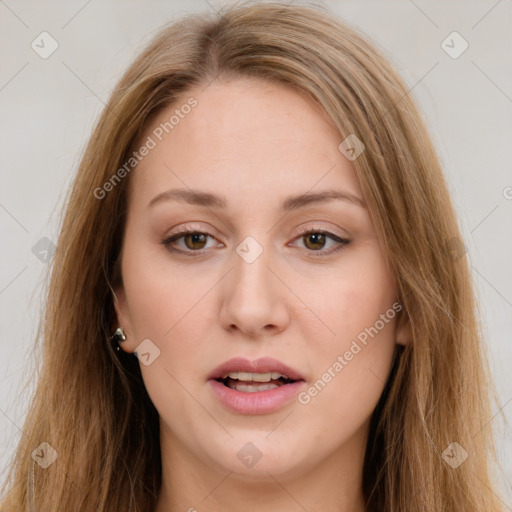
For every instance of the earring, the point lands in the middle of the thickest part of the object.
(117, 337)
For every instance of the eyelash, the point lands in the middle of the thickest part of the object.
(172, 238)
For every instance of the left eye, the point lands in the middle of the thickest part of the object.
(195, 241)
(319, 237)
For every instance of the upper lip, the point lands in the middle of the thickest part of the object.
(262, 365)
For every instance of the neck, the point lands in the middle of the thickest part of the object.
(333, 484)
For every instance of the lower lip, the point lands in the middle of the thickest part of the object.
(259, 402)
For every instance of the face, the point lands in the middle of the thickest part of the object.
(254, 274)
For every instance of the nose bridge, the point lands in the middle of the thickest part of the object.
(252, 297)
(251, 260)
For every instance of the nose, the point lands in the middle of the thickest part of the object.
(254, 297)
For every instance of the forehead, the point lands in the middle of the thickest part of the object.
(245, 137)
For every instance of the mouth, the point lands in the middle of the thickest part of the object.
(255, 387)
(246, 382)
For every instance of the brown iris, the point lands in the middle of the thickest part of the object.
(196, 238)
(318, 238)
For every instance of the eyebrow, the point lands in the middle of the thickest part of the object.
(207, 199)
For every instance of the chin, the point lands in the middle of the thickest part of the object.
(253, 462)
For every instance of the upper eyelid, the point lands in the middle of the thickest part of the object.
(303, 230)
(187, 228)
(315, 229)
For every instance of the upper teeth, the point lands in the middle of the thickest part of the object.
(257, 377)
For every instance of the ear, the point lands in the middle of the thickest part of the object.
(123, 319)
(403, 331)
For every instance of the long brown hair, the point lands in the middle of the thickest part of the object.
(92, 407)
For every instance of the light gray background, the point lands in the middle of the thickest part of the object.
(48, 106)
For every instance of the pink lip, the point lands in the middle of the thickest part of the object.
(259, 402)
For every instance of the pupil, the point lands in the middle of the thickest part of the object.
(318, 238)
(195, 236)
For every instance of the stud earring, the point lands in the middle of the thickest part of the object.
(118, 337)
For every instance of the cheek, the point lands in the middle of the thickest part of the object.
(172, 309)
(350, 298)
(161, 297)
(167, 307)
(354, 350)
(350, 374)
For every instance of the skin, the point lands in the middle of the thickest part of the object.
(255, 143)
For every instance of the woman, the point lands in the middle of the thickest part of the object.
(255, 302)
